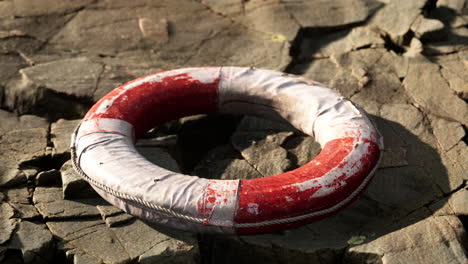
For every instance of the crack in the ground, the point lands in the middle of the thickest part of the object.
(81, 230)
(80, 102)
(427, 205)
(199, 48)
(72, 242)
(297, 58)
(46, 162)
(462, 186)
(465, 138)
(121, 243)
(25, 57)
(46, 42)
(25, 36)
(98, 80)
(448, 82)
(239, 24)
(50, 143)
(412, 246)
(106, 8)
(214, 12)
(248, 162)
(153, 246)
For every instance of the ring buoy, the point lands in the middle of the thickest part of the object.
(103, 151)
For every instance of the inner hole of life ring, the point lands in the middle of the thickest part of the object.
(221, 146)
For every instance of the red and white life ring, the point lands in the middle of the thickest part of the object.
(103, 151)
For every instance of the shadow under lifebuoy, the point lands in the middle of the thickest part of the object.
(410, 180)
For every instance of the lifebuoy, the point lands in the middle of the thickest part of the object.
(103, 151)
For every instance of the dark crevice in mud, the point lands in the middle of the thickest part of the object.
(102, 55)
(19, 37)
(465, 138)
(464, 240)
(296, 52)
(50, 143)
(73, 218)
(316, 32)
(47, 162)
(293, 159)
(300, 56)
(448, 194)
(65, 106)
(54, 105)
(429, 7)
(407, 38)
(30, 201)
(2, 96)
(369, 46)
(290, 143)
(392, 46)
(60, 255)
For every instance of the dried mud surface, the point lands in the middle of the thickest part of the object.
(404, 62)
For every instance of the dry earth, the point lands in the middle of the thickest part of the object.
(405, 62)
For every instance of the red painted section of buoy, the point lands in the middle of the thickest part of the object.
(154, 103)
(278, 196)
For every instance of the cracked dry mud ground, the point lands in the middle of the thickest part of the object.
(405, 62)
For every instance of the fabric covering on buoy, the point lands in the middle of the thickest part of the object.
(103, 151)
